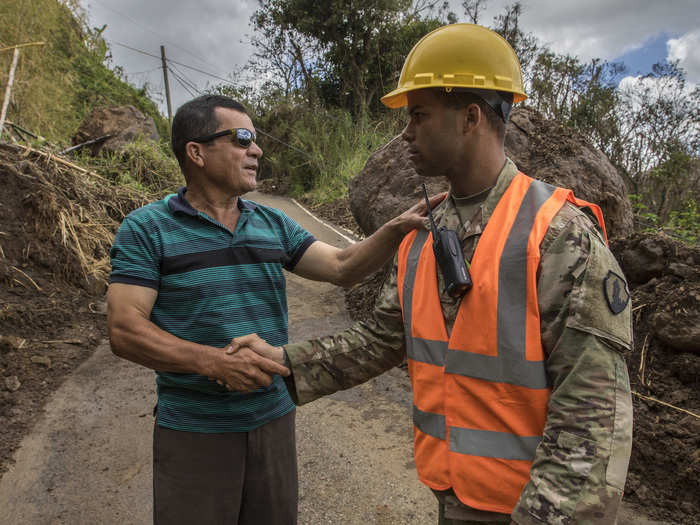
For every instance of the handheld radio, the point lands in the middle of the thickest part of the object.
(448, 253)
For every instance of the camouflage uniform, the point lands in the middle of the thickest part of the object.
(580, 466)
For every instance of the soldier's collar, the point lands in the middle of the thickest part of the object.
(506, 176)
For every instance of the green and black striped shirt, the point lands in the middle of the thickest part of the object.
(213, 285)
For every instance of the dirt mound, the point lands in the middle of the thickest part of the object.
(541, 148)
(664, 368)
(56, 226)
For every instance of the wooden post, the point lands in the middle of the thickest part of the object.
(8, 90)
(167, 86)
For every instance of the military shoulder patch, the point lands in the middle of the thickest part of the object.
(616, 292)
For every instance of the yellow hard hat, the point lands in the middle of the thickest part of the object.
(459, 56)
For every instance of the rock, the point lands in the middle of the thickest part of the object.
(559, 155)
(12, 383)
(543, 149)
(681, 334)
(644, 261)
(643, 493)
(693, 425)
(41, 360)
(646, 257)
(684, 271)
(125, 124)
(678, 325)
(388, 185)
(96, 284)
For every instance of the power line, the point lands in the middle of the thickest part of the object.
(174, 62)
(183, 82)
(193, 86)
(184, 77)
(144, 72)
(153, 32)
(283, 142)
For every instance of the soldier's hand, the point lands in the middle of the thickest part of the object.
(244, 370)
(259, 346)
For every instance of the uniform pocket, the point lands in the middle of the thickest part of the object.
(561, 475)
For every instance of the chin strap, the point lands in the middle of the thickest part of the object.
(500, 101)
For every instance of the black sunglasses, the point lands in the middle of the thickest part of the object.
(244, 137)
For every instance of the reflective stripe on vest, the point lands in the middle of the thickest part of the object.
(429, 423)
(480, 393)
(510, 366)
(418, 349)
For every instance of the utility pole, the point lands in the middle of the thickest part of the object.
(10, 81)
(167, 86)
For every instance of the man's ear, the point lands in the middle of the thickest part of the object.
(195, 153)
(472, 118)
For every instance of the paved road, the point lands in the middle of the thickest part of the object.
(88, 459)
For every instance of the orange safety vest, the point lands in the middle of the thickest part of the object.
(480, 393)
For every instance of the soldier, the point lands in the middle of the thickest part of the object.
(522, 409)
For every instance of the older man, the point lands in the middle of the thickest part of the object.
(191, 272)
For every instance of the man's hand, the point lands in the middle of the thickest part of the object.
(242, 369)
(323, 262)
(258, 345)
(416, 215)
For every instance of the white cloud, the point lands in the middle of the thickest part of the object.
(685, 50)
(209, 35)
(212, 34)
(607, 29)
(597, 28)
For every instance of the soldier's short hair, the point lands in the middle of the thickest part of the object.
(457, 99)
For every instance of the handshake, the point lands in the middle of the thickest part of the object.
(247, 363)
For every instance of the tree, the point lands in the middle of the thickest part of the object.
(474, 8)
(283, 56)
(524, 44)
(346, 52)
(594, 107)
(660, 116)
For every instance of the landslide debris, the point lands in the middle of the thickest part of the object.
(545, 150)
(57, 223)
(664, 369)
(664, 278)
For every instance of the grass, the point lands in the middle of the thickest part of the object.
(145, 166)
(324, 148)
(57, 84)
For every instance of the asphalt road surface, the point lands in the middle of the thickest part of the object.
(88, 459)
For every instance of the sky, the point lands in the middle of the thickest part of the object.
(213, 36)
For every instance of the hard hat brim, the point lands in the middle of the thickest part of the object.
(397, 98)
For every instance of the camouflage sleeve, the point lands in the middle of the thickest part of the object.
(581, 464)
(337, 362)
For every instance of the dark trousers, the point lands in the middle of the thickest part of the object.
(236, 478)
(452, 512)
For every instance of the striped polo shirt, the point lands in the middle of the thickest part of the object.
(213, 285)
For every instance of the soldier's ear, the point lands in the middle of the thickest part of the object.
(472, 117)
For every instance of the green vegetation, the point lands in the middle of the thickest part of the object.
(329, 65)
(146, 166)
(324, 67)
(57, 84)
(315, 150)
